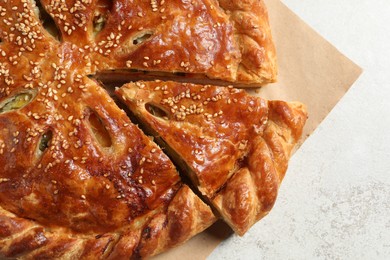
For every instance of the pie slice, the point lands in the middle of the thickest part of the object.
(216, 39)
(234, 147)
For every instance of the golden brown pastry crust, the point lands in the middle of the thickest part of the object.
(236, 147)
(77, 178)
(216, 39)
(258, 63)
(160, 229)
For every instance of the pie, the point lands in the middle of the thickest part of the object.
(80, 180)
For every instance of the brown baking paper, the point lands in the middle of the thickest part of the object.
(311, 71)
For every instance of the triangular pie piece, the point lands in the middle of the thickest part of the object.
(234, 147)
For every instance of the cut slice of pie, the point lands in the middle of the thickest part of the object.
(216, 39)
(234, 147)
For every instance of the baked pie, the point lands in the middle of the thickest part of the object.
(79, 180)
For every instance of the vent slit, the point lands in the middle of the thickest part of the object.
(45, 141)
(16, 102)
(142, 38)
(47, 21)
(102, 11)
(98, 129)
(156, 111)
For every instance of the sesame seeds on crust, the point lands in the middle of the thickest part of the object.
(49, 131)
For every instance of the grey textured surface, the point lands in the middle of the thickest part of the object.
(335, 200)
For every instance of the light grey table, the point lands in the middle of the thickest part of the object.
(335, 200)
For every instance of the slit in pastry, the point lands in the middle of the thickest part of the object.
(156, 111)
(45, 142)
(142, 38)
(102, 10)
(47, 21)
(99, 130)
(17, 102)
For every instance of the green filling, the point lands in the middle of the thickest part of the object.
(45, 141)
(16, 102)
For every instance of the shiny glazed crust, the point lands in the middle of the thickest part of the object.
(235, 147)
(153, 233)
(77, 178)
(258, 56)
(226, 40)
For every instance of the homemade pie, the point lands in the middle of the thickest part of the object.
(79, 180)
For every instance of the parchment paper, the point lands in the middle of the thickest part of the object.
(311, 71)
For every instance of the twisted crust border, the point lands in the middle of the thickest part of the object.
(253, 32)
(146, 236)
(251, 192)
